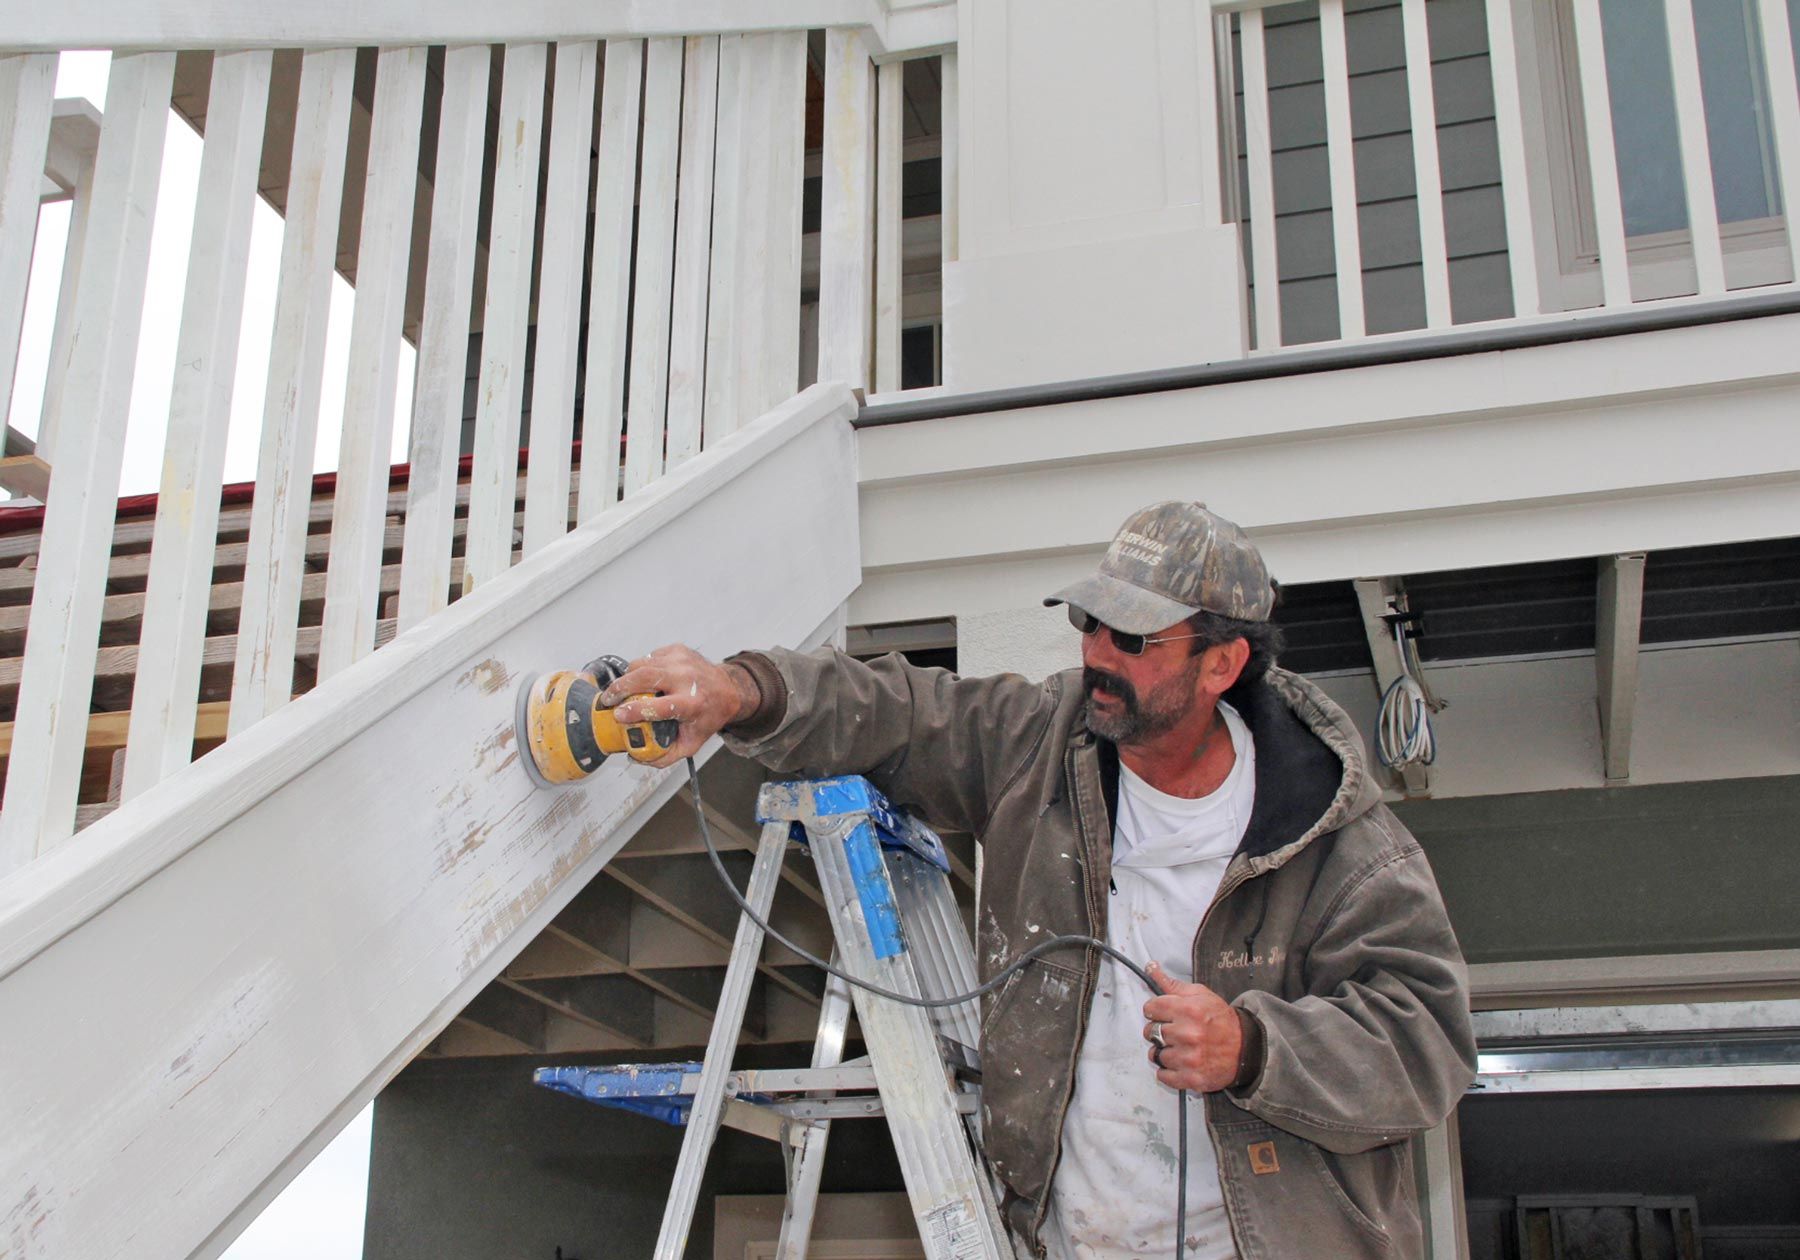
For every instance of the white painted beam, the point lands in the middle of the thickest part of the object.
(277, 24)
(240, 1036)
(180, 585)
(1379, 598)
(74, 135)
(1618, 627)
(43, 774)
(1717, 976)
(1396, 468)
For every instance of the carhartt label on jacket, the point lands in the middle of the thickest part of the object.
(1263, 1159)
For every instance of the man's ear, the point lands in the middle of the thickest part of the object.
(1224, 665)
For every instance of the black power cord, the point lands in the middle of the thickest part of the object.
(1000, 977)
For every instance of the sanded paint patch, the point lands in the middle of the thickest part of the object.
(491, 676)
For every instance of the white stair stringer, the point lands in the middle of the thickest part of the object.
(200, 990)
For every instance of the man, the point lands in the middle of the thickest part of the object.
(1198, 809)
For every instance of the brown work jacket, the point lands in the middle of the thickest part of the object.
(1327, 928)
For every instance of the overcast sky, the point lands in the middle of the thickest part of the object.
(320, 1215)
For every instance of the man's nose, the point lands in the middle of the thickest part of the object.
(1098, 651)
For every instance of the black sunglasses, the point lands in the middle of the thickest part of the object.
(1129, 644)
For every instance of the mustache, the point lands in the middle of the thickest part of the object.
(1099, 680)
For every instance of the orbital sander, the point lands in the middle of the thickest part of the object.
(566, 733)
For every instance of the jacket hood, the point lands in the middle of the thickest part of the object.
(1312, 773)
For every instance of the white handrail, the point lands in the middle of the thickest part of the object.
(176, 24)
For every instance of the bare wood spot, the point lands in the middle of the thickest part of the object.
(490, 675)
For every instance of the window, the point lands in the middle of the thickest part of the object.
(1746, 184)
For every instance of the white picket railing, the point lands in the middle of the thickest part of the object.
(692, 326)
(1565, 238)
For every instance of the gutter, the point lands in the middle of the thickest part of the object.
(1334, 358)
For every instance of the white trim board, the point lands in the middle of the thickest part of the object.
(264, 938)
(1635, 979)
(897, 28)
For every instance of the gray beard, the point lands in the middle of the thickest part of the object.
(1138, 719)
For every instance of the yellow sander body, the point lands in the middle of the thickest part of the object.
(566, 733)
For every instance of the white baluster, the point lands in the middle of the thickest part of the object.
(160, 737)
(847, 211)
(1603, 165)
(43, 774)
(559, 296)
(263, 670)
(359, 507)
(500, 393)
(653, 279)
(1346, 236)
(26, 84)
(787, 173)
(756, 86)
(890, 138)
(1784, 117)
(721, 411)
(1433, 251)
(609, 291)
(443, 363)
(950, 173)
(1509, 125)
(1696, 153)
(693, 247)
(1258, 154)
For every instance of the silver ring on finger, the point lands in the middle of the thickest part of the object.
(1156, 1035)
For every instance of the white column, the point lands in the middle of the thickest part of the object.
(1087, 244)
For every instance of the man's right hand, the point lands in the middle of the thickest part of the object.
(703, 696)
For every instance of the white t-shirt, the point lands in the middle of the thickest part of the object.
(1114, 1190)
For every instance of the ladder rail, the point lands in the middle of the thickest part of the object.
(728, 1022)
(951, 1199)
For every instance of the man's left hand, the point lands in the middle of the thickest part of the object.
(1202, 1038)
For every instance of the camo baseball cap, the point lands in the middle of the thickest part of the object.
(1168, 562)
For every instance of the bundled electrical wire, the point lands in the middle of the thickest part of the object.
(1403, 734)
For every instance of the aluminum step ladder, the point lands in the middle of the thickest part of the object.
(885, 882)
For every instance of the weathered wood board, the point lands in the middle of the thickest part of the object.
(263, 939)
